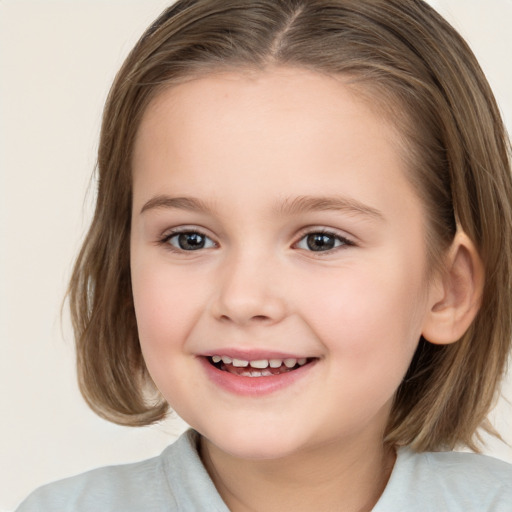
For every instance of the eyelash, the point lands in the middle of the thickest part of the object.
(168, 237)
(343, 241)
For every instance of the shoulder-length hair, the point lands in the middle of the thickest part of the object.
(409, 62)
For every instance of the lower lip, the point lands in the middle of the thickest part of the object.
(254, 386)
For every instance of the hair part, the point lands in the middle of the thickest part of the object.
(402, 57)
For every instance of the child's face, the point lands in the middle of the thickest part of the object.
(305, 241)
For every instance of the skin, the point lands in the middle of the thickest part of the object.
(248, 144)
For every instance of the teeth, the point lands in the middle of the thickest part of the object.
(260, 363)
(239, 363)
(263, 373)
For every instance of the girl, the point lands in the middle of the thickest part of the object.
(302, 245)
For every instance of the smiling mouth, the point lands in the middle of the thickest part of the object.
(259, 367)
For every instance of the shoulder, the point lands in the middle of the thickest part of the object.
(448, 481)
(464, 468)
(124, 487)
(162, 483)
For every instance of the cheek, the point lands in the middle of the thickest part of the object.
(164, 304)
(165, 308)
(366, 311)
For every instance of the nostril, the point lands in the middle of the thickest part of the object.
(257, 318)
(260, 317)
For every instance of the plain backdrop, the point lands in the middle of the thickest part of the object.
(57, 60)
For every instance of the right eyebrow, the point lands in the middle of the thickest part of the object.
(180, 203)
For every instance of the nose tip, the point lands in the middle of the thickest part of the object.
(249, 296)
(240, 317)
(249, 309)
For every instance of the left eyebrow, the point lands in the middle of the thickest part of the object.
(304, 204)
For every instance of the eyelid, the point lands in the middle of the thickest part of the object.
(186, 228)
(170, 233)
(347, 240)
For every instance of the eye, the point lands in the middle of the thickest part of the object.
(322, 241)
(189, 241)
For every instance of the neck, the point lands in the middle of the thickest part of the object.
(335, 476)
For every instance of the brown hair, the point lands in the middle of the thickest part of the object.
(402, 55)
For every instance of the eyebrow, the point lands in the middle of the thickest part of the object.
(304, 204)
(180, 203)
(290, 206)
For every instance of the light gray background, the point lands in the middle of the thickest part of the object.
(57, 60)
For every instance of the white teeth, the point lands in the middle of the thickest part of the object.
(254, 373)
(260, 363)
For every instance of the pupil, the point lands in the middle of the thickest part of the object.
(320, 242)
(191, 241)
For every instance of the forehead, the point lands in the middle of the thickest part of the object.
(282, 132)
(255, 99)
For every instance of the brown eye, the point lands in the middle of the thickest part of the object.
(321, 242)
(190, 241)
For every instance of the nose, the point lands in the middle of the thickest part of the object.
(249, 291)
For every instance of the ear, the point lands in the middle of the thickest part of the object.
(455, 296)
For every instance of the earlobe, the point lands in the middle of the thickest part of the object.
(456, 294)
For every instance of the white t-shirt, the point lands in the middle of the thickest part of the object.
(176, 480)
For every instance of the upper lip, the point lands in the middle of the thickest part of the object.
(253, 354)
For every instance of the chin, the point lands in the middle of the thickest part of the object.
(257, 443)
(251, 451)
